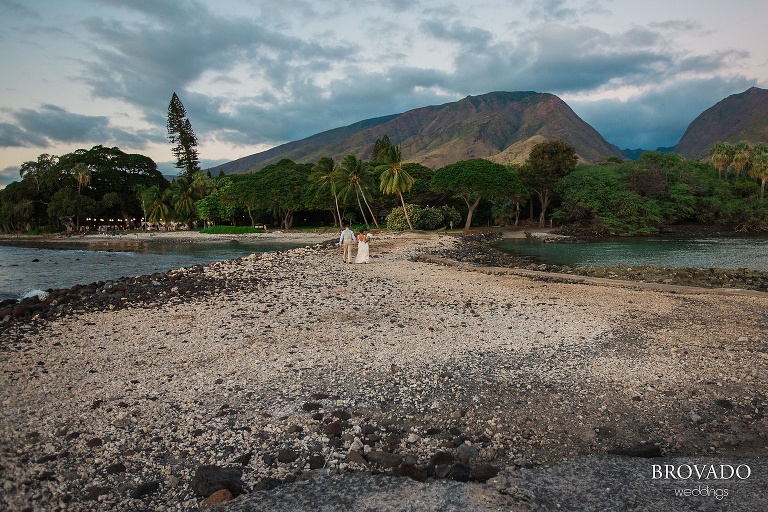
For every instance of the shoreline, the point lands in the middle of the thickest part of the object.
(287, 366)
(176, 237)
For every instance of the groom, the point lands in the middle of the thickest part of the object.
(346, 240)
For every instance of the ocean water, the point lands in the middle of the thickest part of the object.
(726, 252)
(26, 271)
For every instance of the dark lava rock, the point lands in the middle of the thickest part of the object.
(483, 472)
(114, 469)
(441, 458)
(145, 489)
(385, 459)
(461, 472)
(244, 459)
(340, 414)
(316, 461)
(311, 406)
(725, 404)
(287, 456)
(209, 479)
(333, 429)
(413, 472)
(267, 484)
(96, 441)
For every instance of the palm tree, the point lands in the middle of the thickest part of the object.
(354, 175)
(741, 157)
(721, 156)
(759, 169)
(156, 204)
(395, 179)
(327, 176)
(184, 192)
(83, 176)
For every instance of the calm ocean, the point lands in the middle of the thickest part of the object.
(28, 270)
(725, 252)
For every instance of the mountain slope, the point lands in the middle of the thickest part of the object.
(500, 126)
(738, 117)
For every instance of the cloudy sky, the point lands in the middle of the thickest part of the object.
(253, 74)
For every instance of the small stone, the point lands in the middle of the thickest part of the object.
(385, 459)
(114, 469)
(93, 443)
(286, 456)
(316, 461)
(342, 415)
(441, 458)
(483, 472)
(442, 470)
(356, 458)
(466, 452)
(333, 429)
(220, 496)
(460, 472)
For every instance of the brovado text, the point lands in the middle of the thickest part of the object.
(700, 471)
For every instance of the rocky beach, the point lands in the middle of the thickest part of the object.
(292, 381)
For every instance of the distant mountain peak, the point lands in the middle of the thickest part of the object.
(501, 126)
(739, 117)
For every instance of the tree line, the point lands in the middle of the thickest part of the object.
(104, 185)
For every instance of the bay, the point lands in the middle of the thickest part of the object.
(715, 252)
(27, 270)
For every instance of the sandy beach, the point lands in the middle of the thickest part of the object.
(291, 367)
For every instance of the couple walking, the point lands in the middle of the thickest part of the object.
(347, 240)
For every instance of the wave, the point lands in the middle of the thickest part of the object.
(40, 294)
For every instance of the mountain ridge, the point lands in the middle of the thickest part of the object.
(739, 117)
(500, 126)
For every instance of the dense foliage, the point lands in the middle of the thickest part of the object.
(106, 186)
(658, 189)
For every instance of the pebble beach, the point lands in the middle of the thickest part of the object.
(251, 377)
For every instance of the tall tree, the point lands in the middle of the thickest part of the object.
(181, 134)
(394, 179)
(326, 175)
(721, 156)
(379, 148)
(82, 175)
(476, 179)
(741, 157)
(547, 163)
(759, 168)
(355, 176)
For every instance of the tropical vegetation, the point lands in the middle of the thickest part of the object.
(104, 186)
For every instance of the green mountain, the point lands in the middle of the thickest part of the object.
(500, 126)
(739, 117)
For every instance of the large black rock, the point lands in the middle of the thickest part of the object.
(209, 479)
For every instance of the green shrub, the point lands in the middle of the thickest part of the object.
(425, 218)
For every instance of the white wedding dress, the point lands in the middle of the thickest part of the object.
(363, 255)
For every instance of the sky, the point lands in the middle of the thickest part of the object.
(253, 74)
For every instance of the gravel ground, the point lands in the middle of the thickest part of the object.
(292, 365)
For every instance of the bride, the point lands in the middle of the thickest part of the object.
(363, 253)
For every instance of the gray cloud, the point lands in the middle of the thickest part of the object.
(161, 47)
(13, 136)
(8, 175)
(51, 124)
